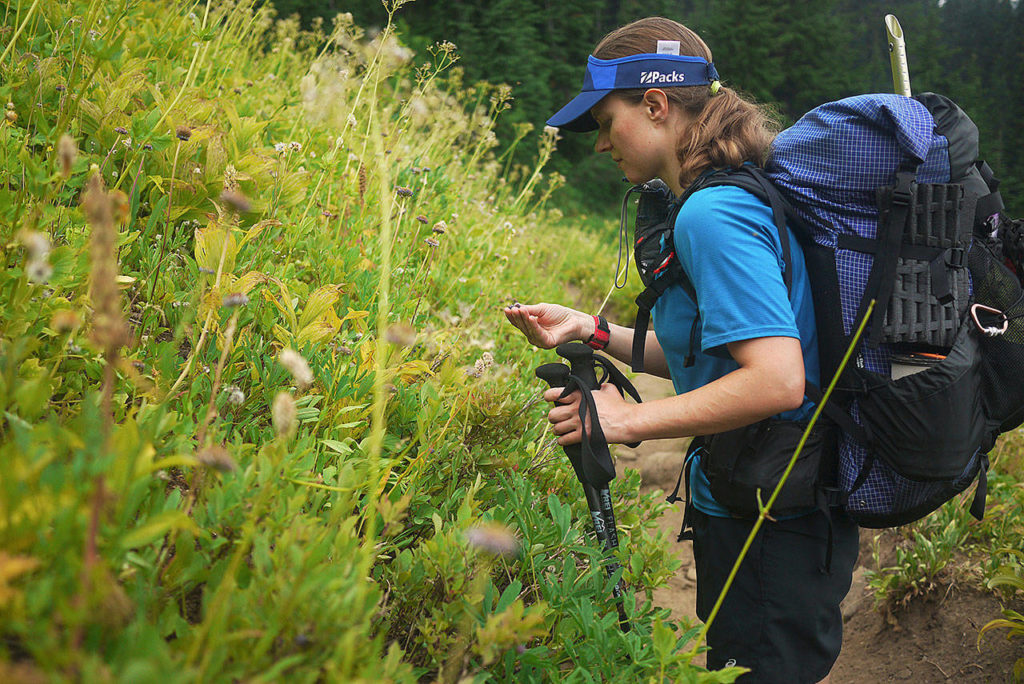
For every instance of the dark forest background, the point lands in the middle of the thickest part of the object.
(793, 53)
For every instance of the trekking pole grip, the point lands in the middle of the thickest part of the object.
(557, 375)
(581, 362)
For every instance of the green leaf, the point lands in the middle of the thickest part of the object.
(343, 448)
(157, 527)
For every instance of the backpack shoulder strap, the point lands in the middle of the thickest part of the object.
(751, 179)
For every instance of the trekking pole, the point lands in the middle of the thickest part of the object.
(596, 463)
(897, 56)
(557, 375)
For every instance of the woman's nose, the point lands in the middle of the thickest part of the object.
(602, 144)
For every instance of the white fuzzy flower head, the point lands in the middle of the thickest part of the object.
(352, 123)
(236, 396)
(38, 271)
(217, 458)
(493, 538)
(280, 147)
(283, 414)
(296, 146)
(297, 366)
(37, 244)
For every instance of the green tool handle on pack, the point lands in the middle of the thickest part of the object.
(897, 56)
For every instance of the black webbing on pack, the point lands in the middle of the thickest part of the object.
(645, 304)
(882, 277)
(991, 203)
(981, 491)
(938, 260)
(686, 531)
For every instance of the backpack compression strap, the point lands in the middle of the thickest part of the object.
(882, 277)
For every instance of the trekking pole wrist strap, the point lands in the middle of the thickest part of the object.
(602, 334)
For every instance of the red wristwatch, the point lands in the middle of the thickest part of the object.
(602, 334)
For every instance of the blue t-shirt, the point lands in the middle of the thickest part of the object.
(727, 243)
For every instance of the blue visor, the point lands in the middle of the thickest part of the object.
(635, 71)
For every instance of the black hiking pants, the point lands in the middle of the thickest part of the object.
(781, 617)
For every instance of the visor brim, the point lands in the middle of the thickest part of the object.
(575, 116)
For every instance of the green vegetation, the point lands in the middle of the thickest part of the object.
(951, 546)
(262, 416)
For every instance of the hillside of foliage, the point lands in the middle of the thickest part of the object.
(263, 418)
(794, 54)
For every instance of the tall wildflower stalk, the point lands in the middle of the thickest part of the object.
(109, 334)
(109, 331)
(385, 204)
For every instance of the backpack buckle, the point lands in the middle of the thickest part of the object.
(956, 257)
(902, 192)
(1002, 322)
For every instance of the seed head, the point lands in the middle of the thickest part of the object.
(37, 244)
(352, 123)
(67, 153)
(38, 271)
(440, 227)
(64, 321)
(108, 326)
(297, 366)
(280, 148)
(402, 191)
(236, 396)
(236, 200)
(183, 133)
(432, 242)
(402, 334)
(362, 182)
(493, 538)
(218, 458)
(422, 219)
(295, 146)
(234, 299)
(283, 414)
(11, 116)
(121, 130)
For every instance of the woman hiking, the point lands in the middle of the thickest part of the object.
(653, 96)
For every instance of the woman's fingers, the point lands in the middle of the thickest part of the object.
(564, 416)
(527, 324)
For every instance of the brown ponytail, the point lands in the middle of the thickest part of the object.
(727, 129)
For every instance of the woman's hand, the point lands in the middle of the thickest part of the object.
(549, 325)
(612, 410)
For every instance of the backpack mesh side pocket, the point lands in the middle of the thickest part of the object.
(1002, 367)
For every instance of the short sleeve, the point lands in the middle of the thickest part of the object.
(727, 244)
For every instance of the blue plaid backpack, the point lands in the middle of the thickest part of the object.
(890, 203)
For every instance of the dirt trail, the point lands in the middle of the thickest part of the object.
(933, 639)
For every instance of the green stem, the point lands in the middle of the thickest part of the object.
(24, 23)
(163, 242)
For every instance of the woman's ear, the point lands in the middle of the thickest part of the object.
(656, 104)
